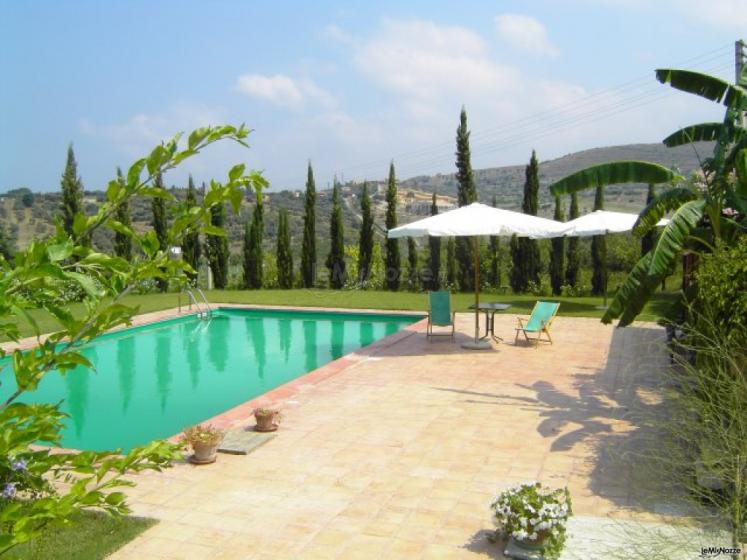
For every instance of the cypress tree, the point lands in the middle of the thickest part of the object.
(647, 241)
(253, 256)
(451, 265)
(284, 253)
(392, 261)
(160, 225)
(191, 244)
(517, 276)
(72, 193)
(412, 264)
(466, 194)
(308, 248)
(336, 258)
(434, 244)
(366, 240)
(247, 253)
(495, 256)
(557, 254)
(6, 244)
(123, 242)
(217, 248)
(598, 252)
(571, 270)
(524, 251)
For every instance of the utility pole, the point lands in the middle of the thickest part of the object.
(740, 61)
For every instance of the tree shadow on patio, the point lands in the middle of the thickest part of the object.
(609, 413)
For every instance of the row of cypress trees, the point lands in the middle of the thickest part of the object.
(525, 255)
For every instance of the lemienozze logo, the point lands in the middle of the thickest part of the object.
(713, 551)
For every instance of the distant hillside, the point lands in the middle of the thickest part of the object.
(507, 183)
(27, 215)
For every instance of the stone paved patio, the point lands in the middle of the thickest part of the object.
(399, 452)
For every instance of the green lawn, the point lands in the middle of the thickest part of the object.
(363, 299)
(91, 536)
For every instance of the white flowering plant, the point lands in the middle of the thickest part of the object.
(534, 515)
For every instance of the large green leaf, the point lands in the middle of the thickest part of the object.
(740, 143)
(674, 235)
(703, 132)
(635, 291)
(613, 173)
(704, 85)
(737, 198)
(665, 202)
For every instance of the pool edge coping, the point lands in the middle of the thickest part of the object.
(143, 319)
(231, 417)
(242, 412)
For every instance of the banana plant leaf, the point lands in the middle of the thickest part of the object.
(674, 235)
(613, 173)
(710, 87)
(740, 144)
(632, 296)
(665, 202)
(703, 132)
(737, 198)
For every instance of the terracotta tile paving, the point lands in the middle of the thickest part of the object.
(397, 451)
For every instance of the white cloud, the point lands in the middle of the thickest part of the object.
(337, 34)
(144, 131)
(525, 33)
(729, 14)
(278, 89)
(425, 60)
(283, 91)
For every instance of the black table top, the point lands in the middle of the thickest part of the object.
(491, 306)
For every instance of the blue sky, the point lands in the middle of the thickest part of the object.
(350, 85)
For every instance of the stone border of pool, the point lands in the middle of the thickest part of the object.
(242, 412)
(232, 417)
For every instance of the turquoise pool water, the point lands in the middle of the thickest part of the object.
(153, 381)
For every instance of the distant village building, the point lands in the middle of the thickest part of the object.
(423, 207)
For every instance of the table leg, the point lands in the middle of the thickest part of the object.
(492, 328)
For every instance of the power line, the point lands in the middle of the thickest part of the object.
(592, 115)
(579, 112)
(578, 104)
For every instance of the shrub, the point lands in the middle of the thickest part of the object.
(721, 281)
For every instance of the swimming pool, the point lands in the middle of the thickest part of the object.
(154, 380)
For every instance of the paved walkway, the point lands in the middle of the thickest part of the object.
(399, 453)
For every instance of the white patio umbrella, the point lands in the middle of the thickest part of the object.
(602, 222)
(479, 220)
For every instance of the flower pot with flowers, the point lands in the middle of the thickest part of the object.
(204, 441)
(533, 518)
(267, 419)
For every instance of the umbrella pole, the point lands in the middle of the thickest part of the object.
(477, 344)
(604, 307)
(476, 265)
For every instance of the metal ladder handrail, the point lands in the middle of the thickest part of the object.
(193, 301)
(205, 301)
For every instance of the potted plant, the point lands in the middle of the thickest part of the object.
(533, 518)
(204, 441)
(267, 419)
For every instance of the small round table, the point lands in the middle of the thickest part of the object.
(490, 310)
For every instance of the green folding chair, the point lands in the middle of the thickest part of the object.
(539, 322)
(440, 313)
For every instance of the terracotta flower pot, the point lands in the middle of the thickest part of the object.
(267, 420)
(204, 453)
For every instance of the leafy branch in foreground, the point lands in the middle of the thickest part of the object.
(40, 487)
